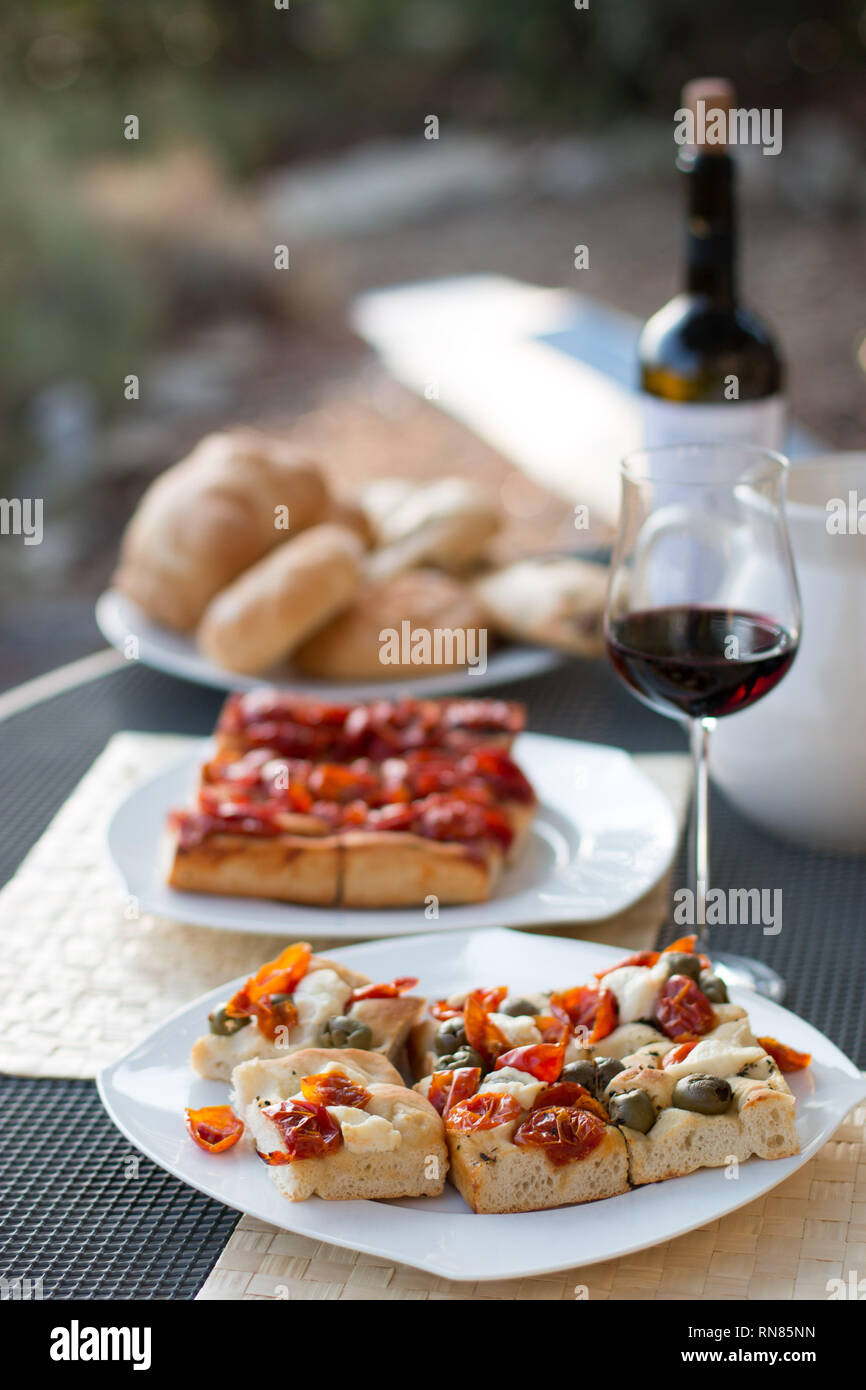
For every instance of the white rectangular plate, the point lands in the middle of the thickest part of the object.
(145, 1093)
(602, 836)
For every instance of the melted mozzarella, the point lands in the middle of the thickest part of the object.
(320, 995)
(520, 1084)
(715, 1057)
(519, 1031)
(637, 989)
(363, 1133)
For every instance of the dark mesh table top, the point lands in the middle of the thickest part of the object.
(73, 1214)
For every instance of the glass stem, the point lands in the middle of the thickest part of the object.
(700, 827)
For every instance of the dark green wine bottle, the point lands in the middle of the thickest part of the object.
(709, 369)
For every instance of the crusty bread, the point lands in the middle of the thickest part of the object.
(447, 522)
(350, 869)
(556, 600)
(276, 603)
(389, 1020)
(494, 1175)
(351, 646)
(681, 1141)
(416, 1167)
(205, 520)
(288, 868)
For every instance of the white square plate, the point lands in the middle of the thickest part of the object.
(602, 836)
(145, 1093)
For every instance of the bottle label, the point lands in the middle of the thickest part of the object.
(761, 423)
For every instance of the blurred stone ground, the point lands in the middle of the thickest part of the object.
(803, 267)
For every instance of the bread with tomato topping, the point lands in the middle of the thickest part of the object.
(323, 993)
(388, 1142)
(428, 823)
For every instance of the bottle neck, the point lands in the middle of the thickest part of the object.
(711, 229)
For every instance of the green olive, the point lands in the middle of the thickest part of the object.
(450, 1036)
(517, 1008)
(583, 1073)
(713, 987)
(706, 1095)
(682, 963)
(224, 1025)
(342, 1031)
(606, 1069)
(634, 1109)
(463, 1057)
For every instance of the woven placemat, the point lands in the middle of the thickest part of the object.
(84, 976)
(789, 1244)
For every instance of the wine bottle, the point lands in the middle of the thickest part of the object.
(709, 369)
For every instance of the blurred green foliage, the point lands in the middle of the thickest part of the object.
(256, 85)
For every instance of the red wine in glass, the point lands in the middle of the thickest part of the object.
(697, 661)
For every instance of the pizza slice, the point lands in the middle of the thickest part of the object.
(426, 823)
(297, 726)
(340, 1125)
(301, 1000)
(656, 1052)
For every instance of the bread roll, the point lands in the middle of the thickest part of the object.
(555, 600)
(446, 523)
(287, 595)
(351, 646)
(211, 516)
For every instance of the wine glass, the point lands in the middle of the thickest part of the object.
(703, 611)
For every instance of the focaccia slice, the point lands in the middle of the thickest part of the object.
(340, 1125)
(516, 1143)
(320, 991)
(358, 835)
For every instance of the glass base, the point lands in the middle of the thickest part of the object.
(744, 973)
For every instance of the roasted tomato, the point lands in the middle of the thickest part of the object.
(385, 991)
(683, 1008)
(334, 1088)
(588, 1008)
(541, 1060)
(553, 1029)
(564, 1133)
(485, 1110)
(307, 1129)
(448, 1088)
(214, 1128)
(334, 782)
(571, 1096)
(481, 1032)
(786, 1058)
(678, 1054)
(280, 976)
(489, 998)
(441, 1010)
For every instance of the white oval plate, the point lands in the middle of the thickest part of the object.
(118, 619)
(145, 1093)
(602, 836)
